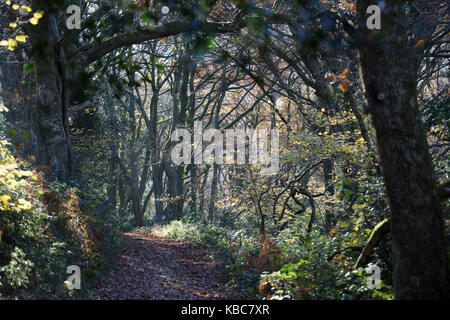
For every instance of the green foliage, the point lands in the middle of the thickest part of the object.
(43, 231)
(17, 271)
(208, 235)
(316, 269)
(293, 266)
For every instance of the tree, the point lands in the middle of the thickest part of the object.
(389, 67)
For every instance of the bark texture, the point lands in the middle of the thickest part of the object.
(50, 111)
(390, 77)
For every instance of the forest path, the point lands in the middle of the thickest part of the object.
(155, 268)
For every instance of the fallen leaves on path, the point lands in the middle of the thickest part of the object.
(155, 268)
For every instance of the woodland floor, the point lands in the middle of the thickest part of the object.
(155, 268)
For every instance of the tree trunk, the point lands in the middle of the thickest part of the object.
(390, 77)
(194, 189)
(17, 95)
(112, 183)
(202, 194)
(137, 208)
(328, 168)
(175, 190)
(157, 179)
(213, 195)
(52, 97)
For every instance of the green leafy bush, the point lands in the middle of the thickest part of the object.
(319, 270)
(43, 230)
(291, 266)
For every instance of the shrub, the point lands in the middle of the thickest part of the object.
(43, 230)
(318, 270)
(290, 266)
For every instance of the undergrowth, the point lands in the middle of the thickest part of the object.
(45, 227)
(289, 266)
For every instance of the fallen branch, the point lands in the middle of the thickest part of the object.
(377, 234)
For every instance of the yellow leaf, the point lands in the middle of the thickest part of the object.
(12, 44)
(5, 199)
(34, 21)
(24, 204)
(38, 15)
(21, 38)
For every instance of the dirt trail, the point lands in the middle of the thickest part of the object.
(155, 268)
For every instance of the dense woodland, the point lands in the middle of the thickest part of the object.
(86, 122)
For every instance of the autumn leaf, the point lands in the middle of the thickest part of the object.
(344, 73)
(21, 38)
(38, 15)
(420, 43)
